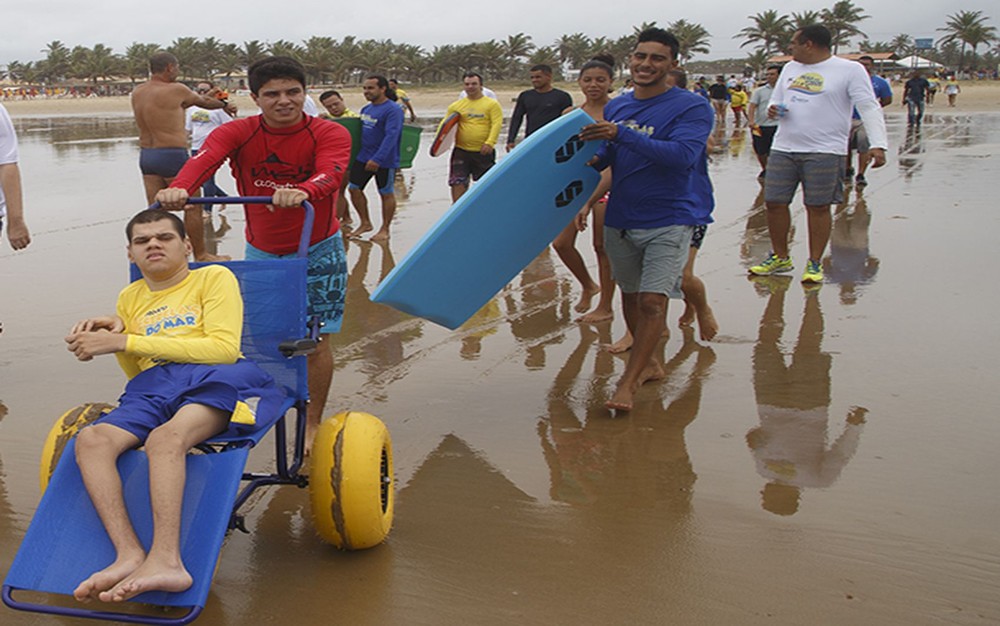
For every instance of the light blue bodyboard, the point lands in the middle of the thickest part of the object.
(497, 228)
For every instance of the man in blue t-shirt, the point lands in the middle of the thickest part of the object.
(655, 144)
(859, 138)
(381, 131)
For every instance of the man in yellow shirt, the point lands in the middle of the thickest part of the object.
(333, 102)
(478, 131)
(176, 334)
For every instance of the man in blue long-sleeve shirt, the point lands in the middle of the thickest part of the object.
(655, 144)
(381, 131)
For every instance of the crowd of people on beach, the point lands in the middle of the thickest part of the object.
(176, 331)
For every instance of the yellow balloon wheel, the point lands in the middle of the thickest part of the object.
(65, 429)
(351, 485)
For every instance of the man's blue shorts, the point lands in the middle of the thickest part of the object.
(165, 162)
(326, 279)
(155, 395)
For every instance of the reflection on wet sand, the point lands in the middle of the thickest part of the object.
(372, 333)
(537, 319)
(613, 465)
(793, 403)
(849, 263)
(756, 242)
(910, 153)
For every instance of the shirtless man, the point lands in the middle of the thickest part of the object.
(158, 105)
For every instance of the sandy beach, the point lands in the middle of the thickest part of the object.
(830, 458)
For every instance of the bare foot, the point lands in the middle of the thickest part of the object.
(107, 578)
(151, 576)
(621, 400)
(707, 326)
(622, 345)
(596, 316)
(653, 371)
(583, 304)
(362, 229)
(212, 258)
(382, 235)
(687, 318)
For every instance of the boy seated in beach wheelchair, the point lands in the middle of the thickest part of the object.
(215, 358)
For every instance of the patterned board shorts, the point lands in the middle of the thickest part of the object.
(326, 279)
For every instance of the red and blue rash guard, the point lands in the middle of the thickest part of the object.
(312, 156)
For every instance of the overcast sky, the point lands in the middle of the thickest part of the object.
(28, 25)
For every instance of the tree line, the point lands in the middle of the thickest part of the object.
(331, 61)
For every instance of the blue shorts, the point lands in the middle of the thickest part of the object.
(326, 279)
(155, 395)
(648, 260)
(165, 162)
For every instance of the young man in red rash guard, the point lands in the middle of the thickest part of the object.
(292, 157)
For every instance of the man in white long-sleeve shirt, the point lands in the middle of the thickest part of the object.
(813, 100)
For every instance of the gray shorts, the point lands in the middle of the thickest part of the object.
(649, 260)
(821, 176)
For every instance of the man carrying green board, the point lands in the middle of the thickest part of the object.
(655, 145)
(381, 130)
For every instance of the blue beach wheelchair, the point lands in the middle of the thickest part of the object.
(349, 473)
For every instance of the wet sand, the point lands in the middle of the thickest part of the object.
(830, 458)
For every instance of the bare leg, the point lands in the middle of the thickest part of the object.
(604, 310)
(388, 212)
(644, 313)
(343, 210)
(166, 447)
(457, 191)
(863, 160)
(820, 222)
(360, 202)
(696, 301)
(97, 450)
(779, 221)
(565, 247)
(320, 371)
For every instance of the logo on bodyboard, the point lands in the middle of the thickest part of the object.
(567, 195)
(568, 149)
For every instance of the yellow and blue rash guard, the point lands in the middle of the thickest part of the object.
(480, 122)
(205, 311)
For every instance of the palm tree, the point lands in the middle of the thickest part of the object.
(546, 55)
(768, 28)
(573, 49)
(758, 60)
(96, 63)
(188, 53)
(57, 61)
(693, 39)
(842, 21)
(805, 18)
(135, 64)
(285, 48)
(641, 27)
(319, 57)
(251, 52)
(515, 48)
(968, 27)
(902, 45)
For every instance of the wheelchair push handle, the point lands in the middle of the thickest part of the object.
(307, 225)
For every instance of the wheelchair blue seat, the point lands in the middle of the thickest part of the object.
(66, 541)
